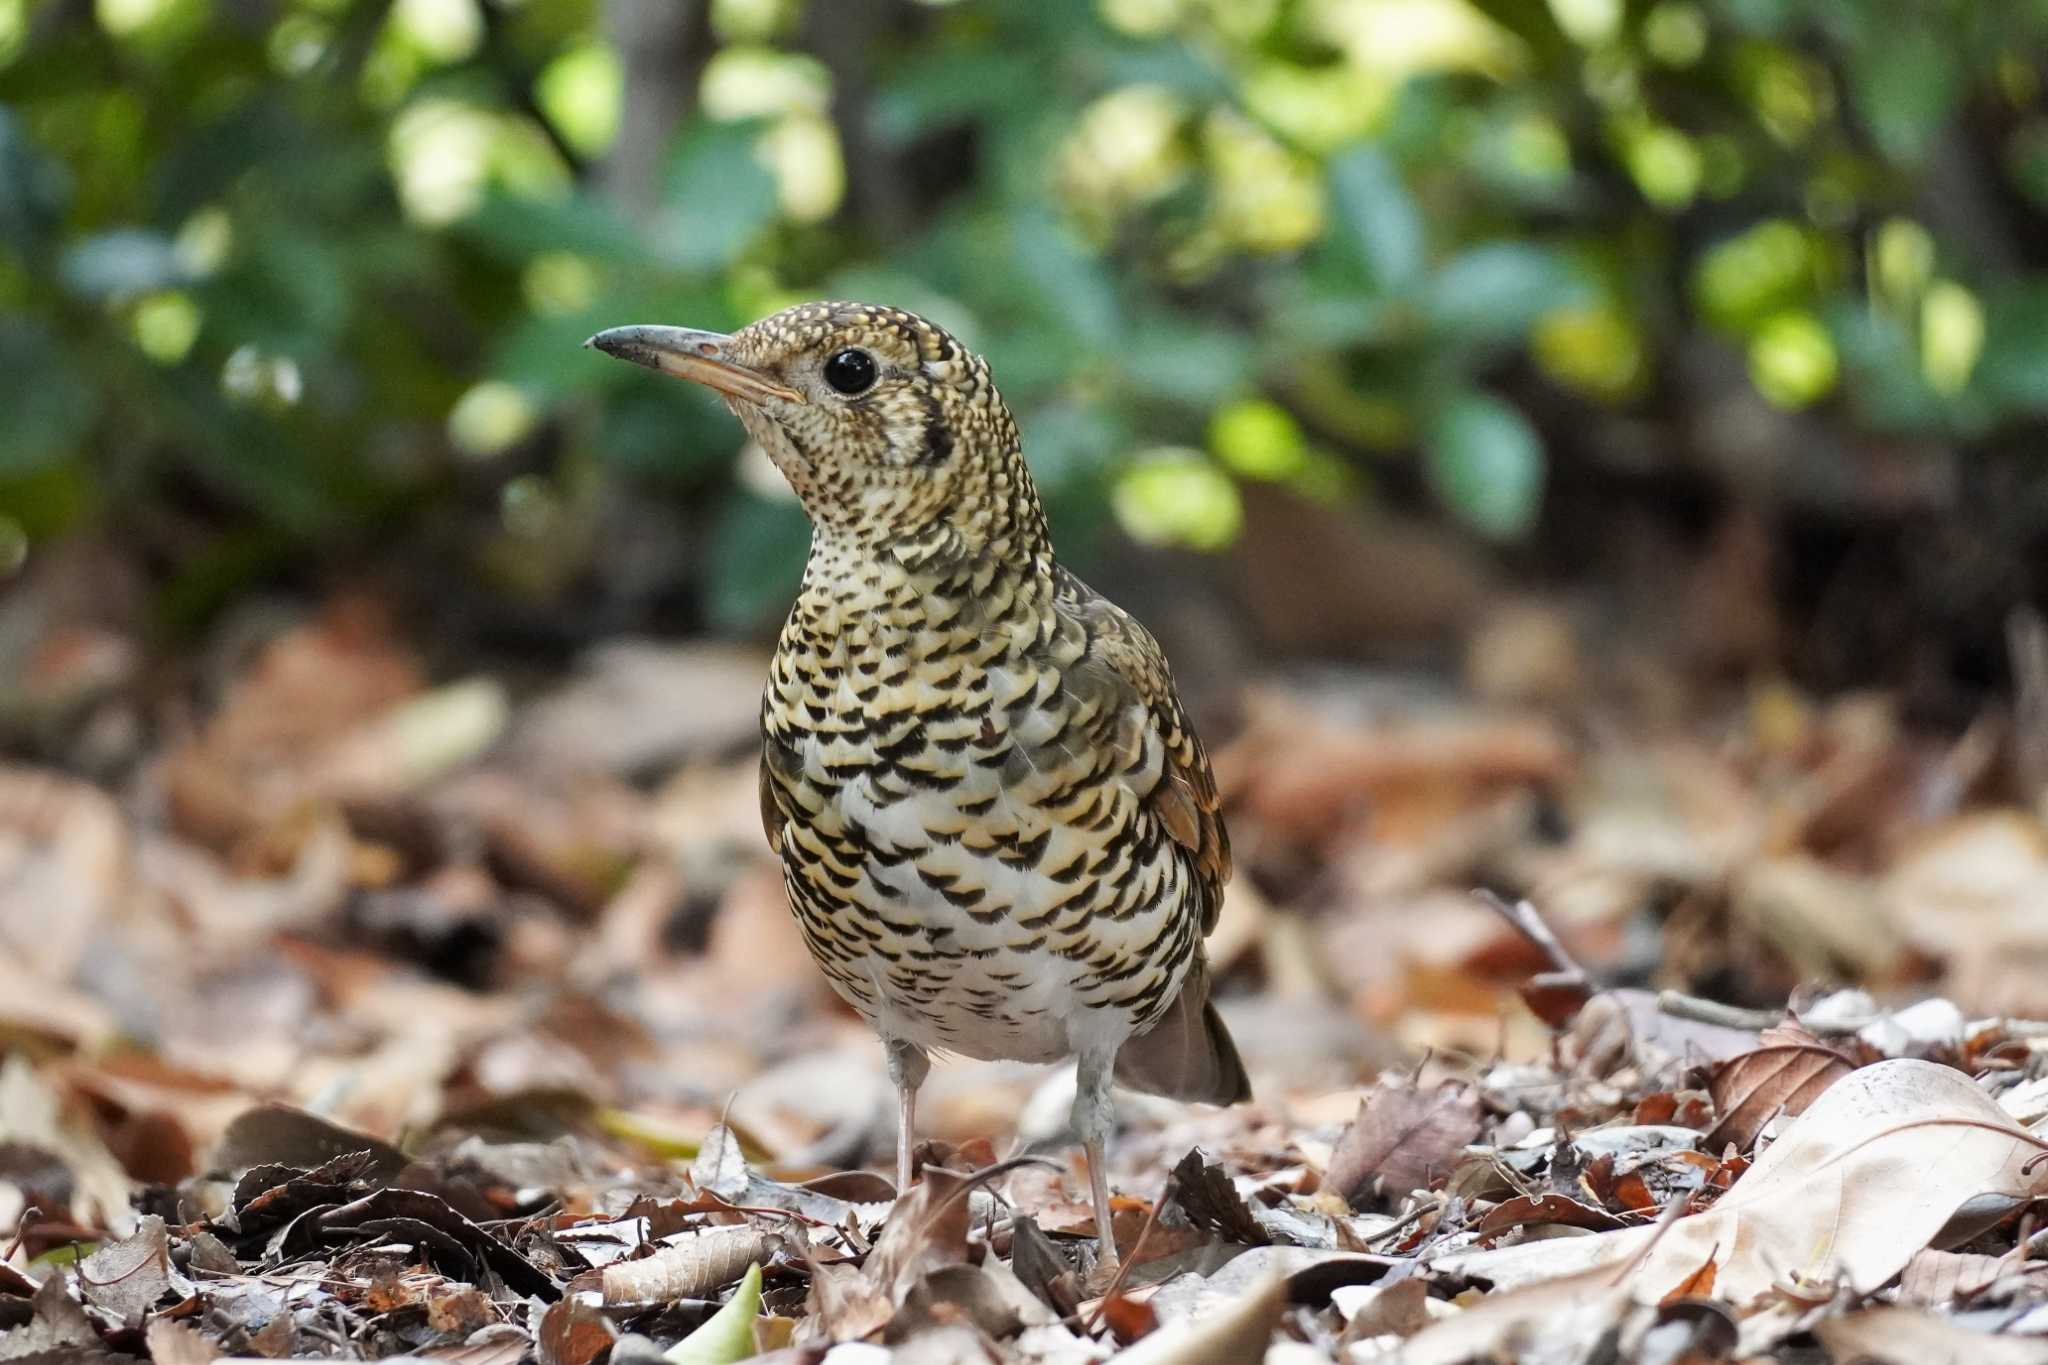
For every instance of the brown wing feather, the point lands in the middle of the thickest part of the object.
(1185, 798)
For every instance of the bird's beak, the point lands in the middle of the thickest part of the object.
(700, 357)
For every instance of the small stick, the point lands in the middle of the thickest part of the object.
(1406, 1220)
(1123, 1272)
(1681, 1006)
(1522, 917)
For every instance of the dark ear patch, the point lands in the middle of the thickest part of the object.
(938, 437)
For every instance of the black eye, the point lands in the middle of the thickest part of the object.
(850, 371)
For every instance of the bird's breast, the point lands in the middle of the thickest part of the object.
(964, 844)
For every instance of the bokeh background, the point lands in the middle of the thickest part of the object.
(1591, 449)
(1365, 303)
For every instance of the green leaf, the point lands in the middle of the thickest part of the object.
(728, 1335)
(2016, 347)
(1486, 462)
(1498, 291)
(120, 264)
(49, 410)
(1071, 283)
(1906, 83)
(33, 187)
(519, 227)
(1185, 361)
(1379, 216)
(719, 194)
(757, 561)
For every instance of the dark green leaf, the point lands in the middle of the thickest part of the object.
(49, 408)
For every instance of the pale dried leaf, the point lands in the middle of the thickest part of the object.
(1910, 1336)
(694, 1265)
(1229, 1335)
(1857, 1184)
(1405, 1136)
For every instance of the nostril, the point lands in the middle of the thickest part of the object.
(706, 348)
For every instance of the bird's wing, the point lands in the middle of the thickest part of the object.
(1122, 655)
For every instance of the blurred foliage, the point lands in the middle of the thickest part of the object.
(285, 280)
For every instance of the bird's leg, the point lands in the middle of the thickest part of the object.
(1093, 1115)
(908, 1066)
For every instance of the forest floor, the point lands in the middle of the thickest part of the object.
(368, 1014)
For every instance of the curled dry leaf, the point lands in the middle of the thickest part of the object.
(1859, 1182)
(693, 1265)
(1404, 1136)
(1751, 1090)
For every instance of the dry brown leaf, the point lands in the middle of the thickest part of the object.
(173, 1343)
(1892, 1335)
(575, 1332)
(1525, 1209)
(124, 1279)
(1503, 1325)
(1698, 1285)
(1857, 1184)
(1404, 1136)
(1939, 1278)
(1229, 1335)
(694, 1265)
(1750, 1090)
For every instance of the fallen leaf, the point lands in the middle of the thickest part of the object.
(573, 1332)
(692, 1265)
(1939, 1278)
(124, 1279)
(1750, 1090)
(1698, 1285)
(1857, 1184)
(173, 1343)
(1231, 1334)
(1525, 1209)
(1404, 1136)
(728, 1335)
(1891, 1335)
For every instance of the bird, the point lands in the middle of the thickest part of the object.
(998, 829)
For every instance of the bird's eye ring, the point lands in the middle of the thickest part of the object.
(851, 371)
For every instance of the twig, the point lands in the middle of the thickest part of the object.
(1522, 917)
(1406, 1220)
(1681, 1006)
(1123, 1272)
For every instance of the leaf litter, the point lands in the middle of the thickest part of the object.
(379, 1018)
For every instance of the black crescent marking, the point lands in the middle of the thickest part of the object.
(938, 437)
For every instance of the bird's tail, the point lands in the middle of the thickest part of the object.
(1188, 1054)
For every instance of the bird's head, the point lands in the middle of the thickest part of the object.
(891, 432)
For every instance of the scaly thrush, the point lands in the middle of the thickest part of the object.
(998, 830)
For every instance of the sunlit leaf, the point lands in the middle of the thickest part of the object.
(1379, 216)
(120, 263)
(1486, 462)
(1906, 82)
(728, 1335)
